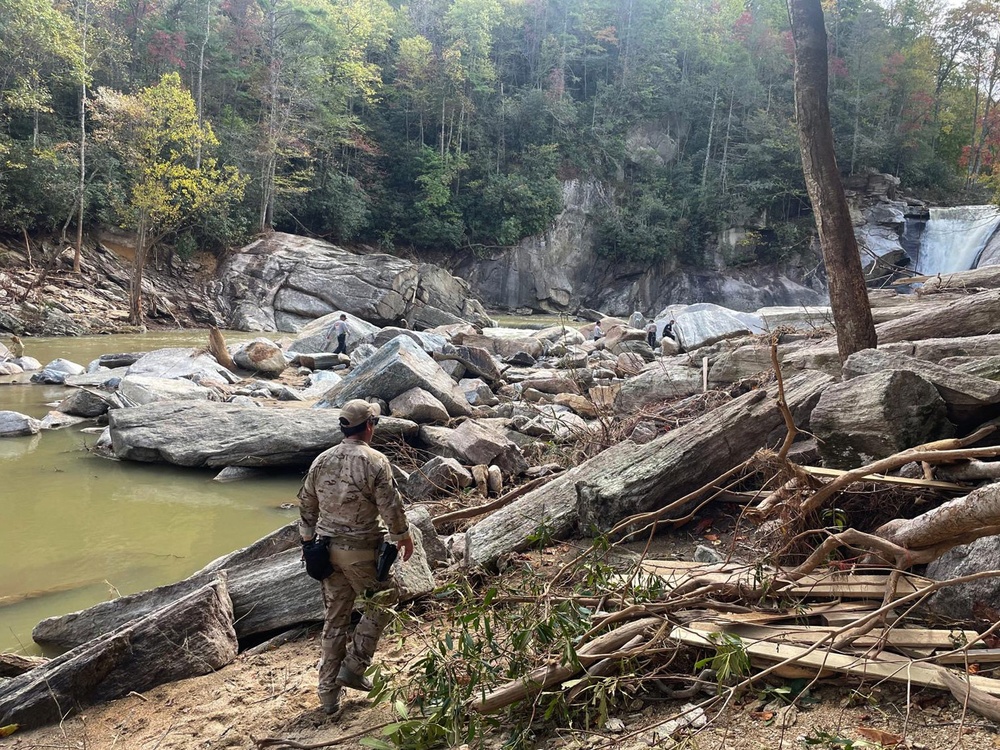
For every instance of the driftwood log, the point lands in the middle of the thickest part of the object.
(629, 478)
(192, 636)
(268, 593)
(14, 665)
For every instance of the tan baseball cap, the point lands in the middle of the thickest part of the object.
(356, 411)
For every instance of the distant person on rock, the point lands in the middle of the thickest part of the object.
(16, 347)
(668, 330)
(651, 333)
(598, 331)
(340, 331)
(348, 488)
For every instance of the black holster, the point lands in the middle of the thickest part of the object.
(387, 553)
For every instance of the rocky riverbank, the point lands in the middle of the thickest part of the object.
(519, 430)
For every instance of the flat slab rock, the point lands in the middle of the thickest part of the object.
(214, 435)
(134, 657)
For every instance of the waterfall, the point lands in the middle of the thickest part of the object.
(955, 237)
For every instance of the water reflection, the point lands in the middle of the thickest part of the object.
(76, 529)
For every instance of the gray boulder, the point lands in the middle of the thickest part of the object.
(417, 405)
(322, 360)
(397, 367)
(874, 416)
(15, 424)
(210, 434)
(977, 600)
(84, 403)
(437, 476)
(136, 390)
(434, 547)
(473, 359)
(965, 395)
(9, 368)
(192, 364)
(261, 356)
(65, 366)
(122, 359)
(473, 443)
(703, 324)
(28, 364)
(477, 392)
(662, 382)
(505, 343)
(283, 282)
(319, 382)
(317, 335)
(429, 342)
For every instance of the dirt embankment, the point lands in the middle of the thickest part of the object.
(40, 294)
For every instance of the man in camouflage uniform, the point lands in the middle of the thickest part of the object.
(346, 490)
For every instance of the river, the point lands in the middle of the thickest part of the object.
(76, 529)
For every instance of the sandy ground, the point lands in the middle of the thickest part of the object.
(272, 695)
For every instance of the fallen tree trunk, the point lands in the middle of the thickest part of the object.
(14, 665)
(958, 521)
(268, 593)
(192, 636)
(629, 478)
(595, 651)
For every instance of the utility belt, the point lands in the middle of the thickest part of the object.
(317, 557)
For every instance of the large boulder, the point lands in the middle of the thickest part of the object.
(397, 367)
(504, 343)
(703, 324)
(429, 342)
(417, 405)
(969, 398)
(191, 636)
(437, 476)
(665, 382)
(211, 434)
(83, 402)
(976, 600)
(873, 416)
(473, 443)
(261, 356)
(15, 424)
(136, 390)
(9, 368)
(317, 335)
(191, 364)
(282, 282)
(473, 359)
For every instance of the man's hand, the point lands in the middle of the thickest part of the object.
(405, 546)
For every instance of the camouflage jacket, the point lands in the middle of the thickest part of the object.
(346, 490)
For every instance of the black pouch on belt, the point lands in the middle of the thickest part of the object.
(317, 557)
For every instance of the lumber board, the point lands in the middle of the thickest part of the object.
(933, 484)
(832, 583)
(973, 656)
(885, 667)
(809, 634)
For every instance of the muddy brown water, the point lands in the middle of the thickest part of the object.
(76, 529)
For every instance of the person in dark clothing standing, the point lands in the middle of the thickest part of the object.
(340, 331)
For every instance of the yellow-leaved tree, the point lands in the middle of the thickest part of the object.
(157, 140)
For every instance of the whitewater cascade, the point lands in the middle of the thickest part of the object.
(954, 238)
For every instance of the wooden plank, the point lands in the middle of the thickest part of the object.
(833, 583)
(809, 634)
(884, 479)
(886, 667)
(974, 656)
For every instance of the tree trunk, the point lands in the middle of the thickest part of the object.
(848, 296)
(78, 251)
(135, 283)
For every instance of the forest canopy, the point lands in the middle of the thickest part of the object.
(450, 124)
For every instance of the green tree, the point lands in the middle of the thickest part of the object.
(157, 137)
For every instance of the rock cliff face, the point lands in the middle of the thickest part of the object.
(559, 271)
(282, 282)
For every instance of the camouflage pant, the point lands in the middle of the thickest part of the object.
(353, 576)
